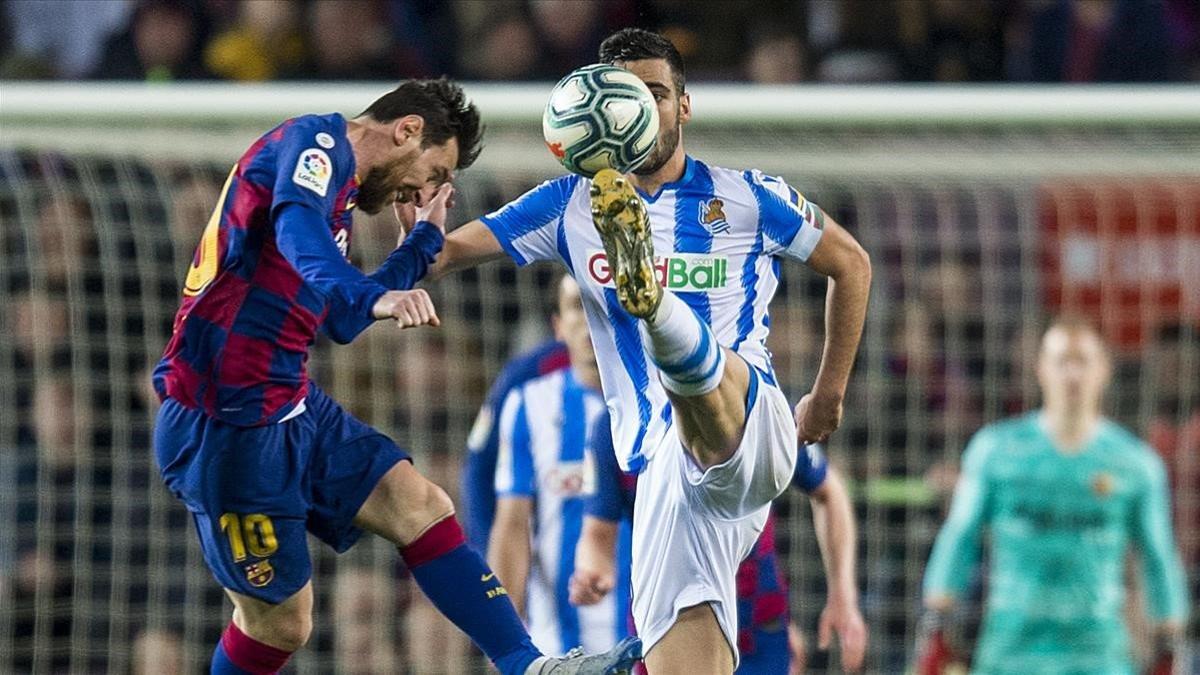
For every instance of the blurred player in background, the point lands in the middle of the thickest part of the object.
(768, 643)
(256, 451)
(1064, 493)
(483, 443)
(544, 475)
(686, 373)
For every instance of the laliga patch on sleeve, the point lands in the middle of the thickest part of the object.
(313, 171)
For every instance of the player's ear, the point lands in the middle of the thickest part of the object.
(407, 127)
(685, 107)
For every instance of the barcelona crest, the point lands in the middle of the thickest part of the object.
(260, 574)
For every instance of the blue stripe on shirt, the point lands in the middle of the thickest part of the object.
(522, 455)
(629, 349)
(574, 438)
(745, 321)
(564, 251)
(691, 236)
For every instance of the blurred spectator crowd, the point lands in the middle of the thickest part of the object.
(767, 41)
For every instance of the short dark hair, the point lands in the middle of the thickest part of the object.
(636, 44)
(445, 109)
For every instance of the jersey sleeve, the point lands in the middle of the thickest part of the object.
(303, 238)
(514, 459)
(1162, 571)
(790, 225)
(408, 264)
(811, 468)
(957, 548)
(527, 227)
(605, 503)
(305, 172)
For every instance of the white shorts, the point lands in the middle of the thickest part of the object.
(693, 528)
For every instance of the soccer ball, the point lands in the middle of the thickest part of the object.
(600, 117)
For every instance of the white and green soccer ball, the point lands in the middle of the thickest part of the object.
(600, 117)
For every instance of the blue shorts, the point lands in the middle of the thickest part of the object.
(255, 491)
(770, 656)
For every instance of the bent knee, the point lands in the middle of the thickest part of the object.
(435, 504)
(421, 508)
(286, 630)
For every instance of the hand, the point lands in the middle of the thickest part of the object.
(431, 204)
(797, 649)
(935, 655)
(817, 416)
(844, 619)
(1167, 646)
(408, 308)
(589, 586)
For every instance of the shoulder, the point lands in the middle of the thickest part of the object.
(526, 366)
(540, 205)
(555, 192)
(1131, 454)
(1020, 428)
(543, 386)
(993, 439)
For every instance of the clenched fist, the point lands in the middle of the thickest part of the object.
(408, 308)
(817, 416)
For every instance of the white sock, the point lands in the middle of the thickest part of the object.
(689, 359)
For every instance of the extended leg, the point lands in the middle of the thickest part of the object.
(418, 516)
(707, 383)
(695, 638)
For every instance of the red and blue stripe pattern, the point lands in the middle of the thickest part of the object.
(241, 337)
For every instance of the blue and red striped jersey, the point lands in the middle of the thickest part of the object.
(248, 316)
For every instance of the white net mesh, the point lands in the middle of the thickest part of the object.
(978, 230)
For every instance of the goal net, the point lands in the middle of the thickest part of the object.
(985, 211)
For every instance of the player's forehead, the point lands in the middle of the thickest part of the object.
(1075, 341)
(445, 156)
(654, 72)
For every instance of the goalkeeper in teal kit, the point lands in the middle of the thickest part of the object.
(1063, 493)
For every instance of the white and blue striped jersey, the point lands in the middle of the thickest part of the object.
(718, 238)
(543, 455)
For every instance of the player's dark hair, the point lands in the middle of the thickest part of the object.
(445, 109)
(637, 44)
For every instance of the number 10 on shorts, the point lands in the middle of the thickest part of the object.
(252, 531)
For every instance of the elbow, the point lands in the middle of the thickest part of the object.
(860, 264)
(851, 264)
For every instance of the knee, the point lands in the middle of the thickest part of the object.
(288, 630)
(421, 504)
(432, 505)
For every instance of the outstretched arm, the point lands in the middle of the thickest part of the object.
(467, 246)
(833, 520)
(524, 229)
(356, 300)
(838, 256)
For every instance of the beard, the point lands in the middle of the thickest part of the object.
(379, 187)
(663, 149)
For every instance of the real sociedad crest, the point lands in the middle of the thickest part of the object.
(712, 216)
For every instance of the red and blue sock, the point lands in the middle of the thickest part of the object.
(466, 591)
(240, 654)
